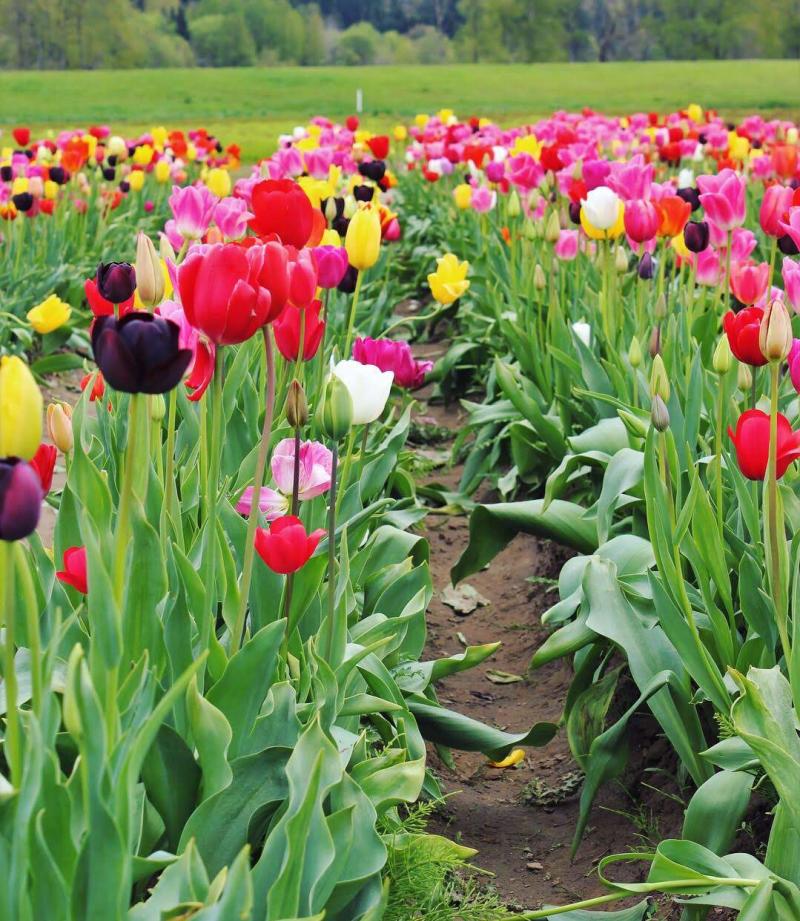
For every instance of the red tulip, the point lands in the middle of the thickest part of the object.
(44, 463)
(302, 279)
(99, 306)
(351, 123)
(287, 332)
(22, 136)
(742, 330)
(98, 387)
(379, 145)
(74, 571)
(281, 207)
(223, 292)
(751, 441)
(285, 546)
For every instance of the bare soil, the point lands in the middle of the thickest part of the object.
(525, 845)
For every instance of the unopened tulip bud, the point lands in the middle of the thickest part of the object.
(654, 346)
(661, 307)
(635, 353)
(659, 414)
(539, 278)
(149, 276)
(620, 260)
(775, 333)
(336, 409)
(534, 197)
(744, 377)
(350, 207)
(59, 426)
(723, 356)
(540, 227)
(513, 206)
(166, 250)
(296, 405)
(634, 424)
(552, 228)
(659, 382)
(529, 229)
(158, 407)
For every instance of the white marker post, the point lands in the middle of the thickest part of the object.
(359, 101)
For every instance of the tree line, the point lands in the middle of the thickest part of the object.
(39, 34)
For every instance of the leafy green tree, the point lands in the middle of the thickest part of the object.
(358, 45)
(222, 40)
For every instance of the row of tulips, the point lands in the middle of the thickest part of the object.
(628, 330)
(214, 698)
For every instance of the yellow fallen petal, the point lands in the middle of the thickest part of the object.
(514, 758)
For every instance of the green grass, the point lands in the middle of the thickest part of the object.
(252, 105)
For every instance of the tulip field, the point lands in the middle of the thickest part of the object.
(272, 430)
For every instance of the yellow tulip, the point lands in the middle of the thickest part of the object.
(116, 147)
(20, 410)
(330, 238)
(143, 154)
(50, 189)
(400, 132)
(363, 238)
(136, 180)
(162, 171)
(449, 281)
(19, 186)
(444, 115)
(679, 245)
(51, 314)
(695, 112)
(527, 144)
(191, 152)
(219, 182)
(421, 120)
(463, 196)
(159, 136)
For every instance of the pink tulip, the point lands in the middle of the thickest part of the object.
(790, 271)
(723, 199)
(193, 207)
(483, 199)
(495, 171)
(708, 267)
(201, 370)
(774, 205)
(524, 172)
(793, 361)
(792, 226)
(331, 264)
(231, 216)
(271, 503)
(389, 355)
(748, 281)
(642, 220)
(566, 248)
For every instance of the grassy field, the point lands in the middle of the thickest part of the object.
(252, 105)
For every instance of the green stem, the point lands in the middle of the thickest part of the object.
(351, 319)
(258, 482)
(171, 509)
(774, 525)
(32, 627)
(718, 453)
(332, 554)
(12, 741)
(348, 459)
(212, 500)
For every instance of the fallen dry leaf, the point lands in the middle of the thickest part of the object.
(464, 599)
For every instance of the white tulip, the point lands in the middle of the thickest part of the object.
(583, 331)
(499, 153)
(602, 207)
(368, 386)
(685, 178)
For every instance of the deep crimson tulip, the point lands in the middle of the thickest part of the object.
(22, 136)
(742, 330)
(287, 332)
(379, 145)
(751, 441)
(44, 463)
(74, 571)
(286, 546)
(116, 281)
(99, 306)
(20, 499)
(223, 291)
(139, 353)
(281, 207)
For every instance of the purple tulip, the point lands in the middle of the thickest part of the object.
(20, 499)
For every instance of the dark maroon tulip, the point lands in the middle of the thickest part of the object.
(575, 212)
(696, 236)
(691, 195)
(139, 353)
(116, 281)
(364, 192)
(23, 201)
(20, 499)
(787, 245)
(645, 268)
(348, 284)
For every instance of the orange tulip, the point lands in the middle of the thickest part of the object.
(674, 213)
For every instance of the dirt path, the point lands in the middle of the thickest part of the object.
(525, 845)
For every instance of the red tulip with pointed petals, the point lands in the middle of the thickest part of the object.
(286, 546)
(751, 441)
(74, 571)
